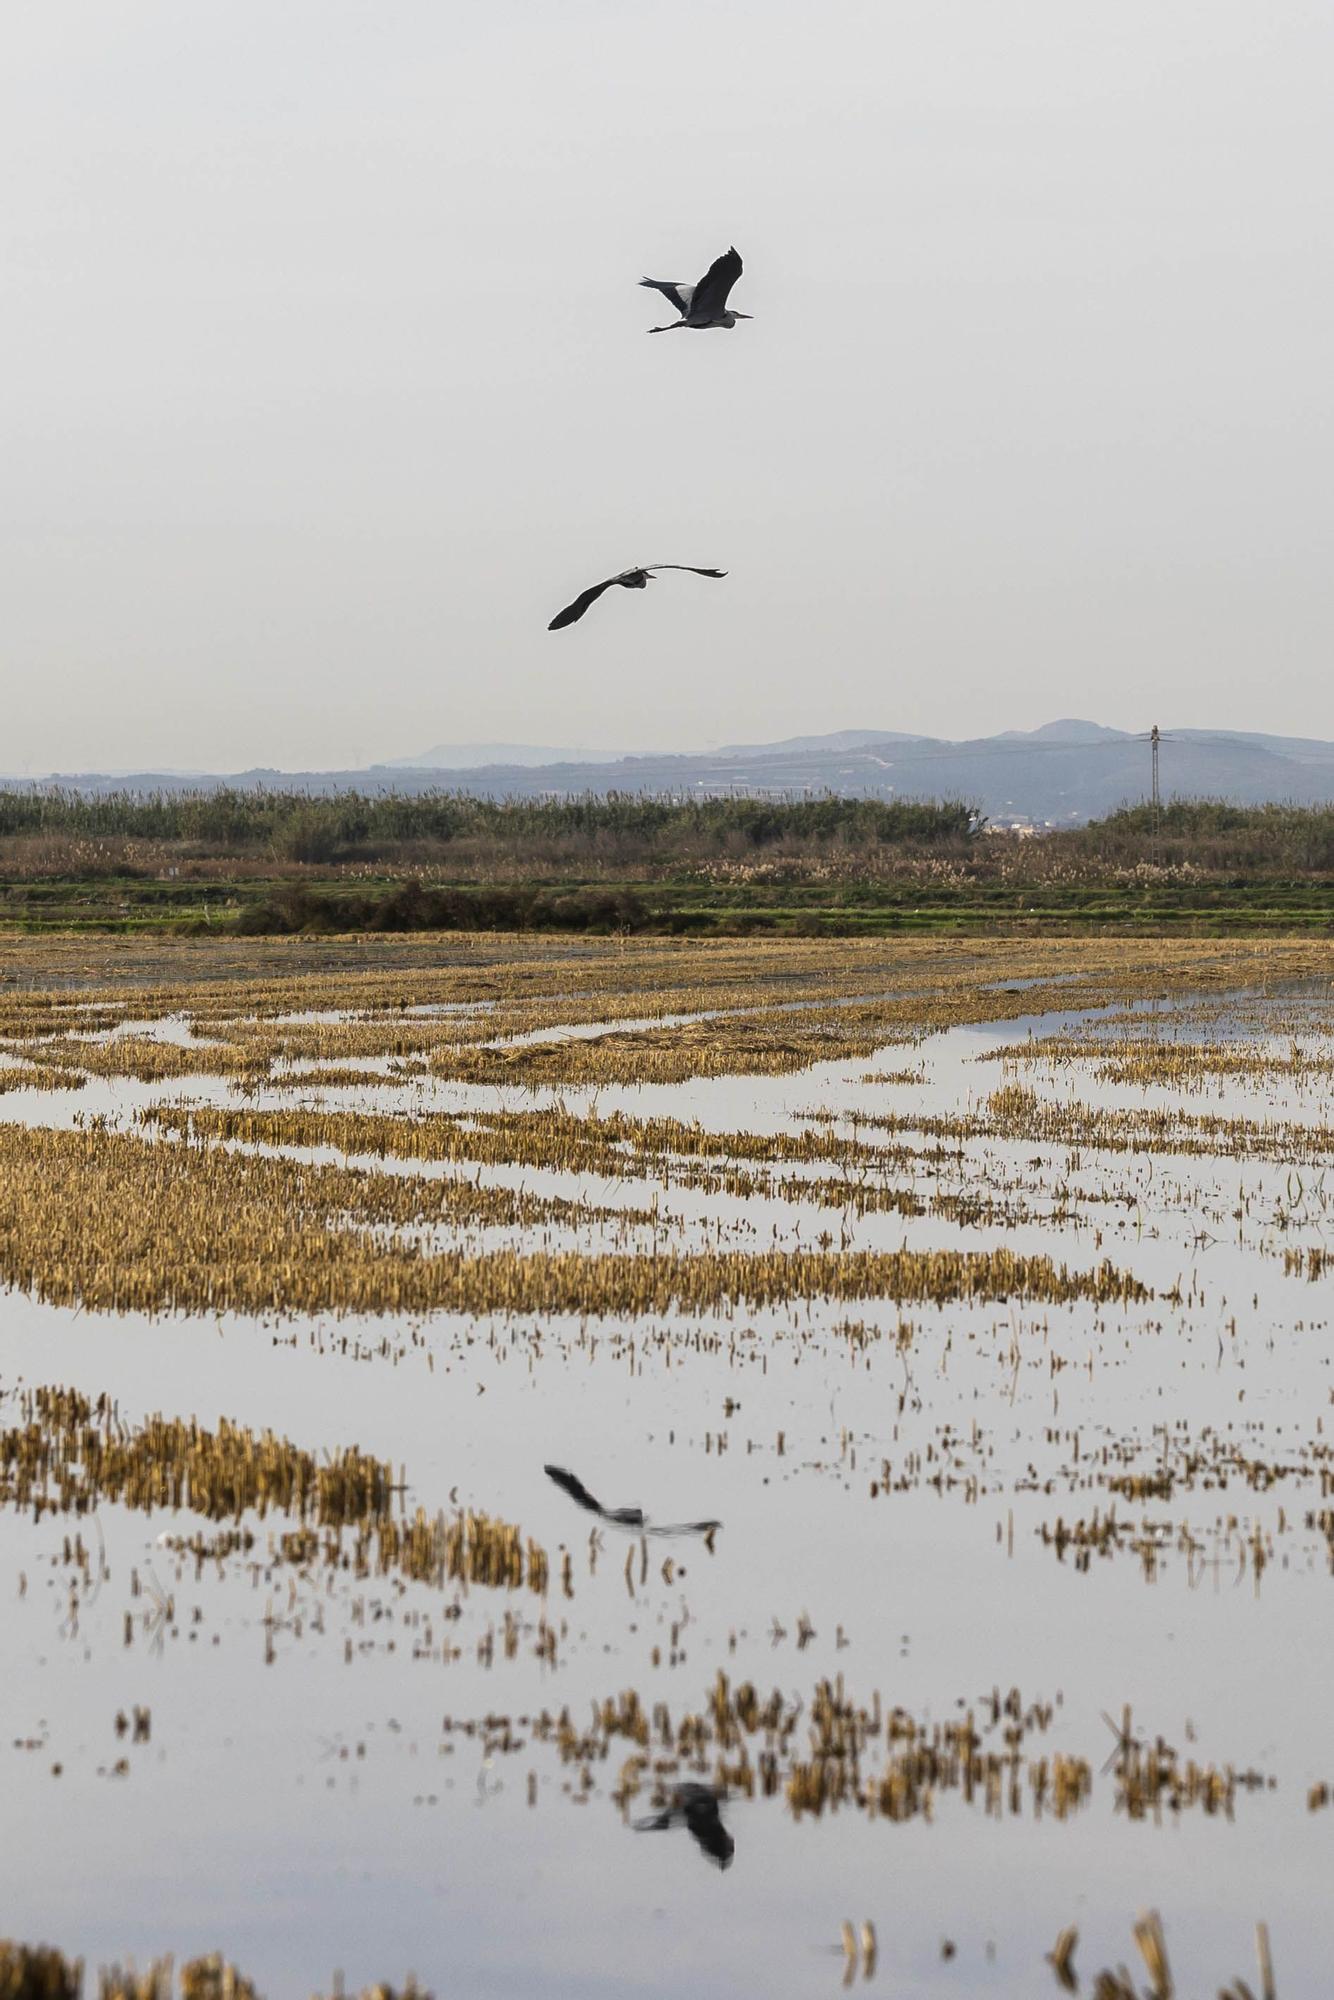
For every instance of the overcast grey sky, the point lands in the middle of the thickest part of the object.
(326, 381)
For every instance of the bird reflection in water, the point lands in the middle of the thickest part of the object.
(696, 1807)
(625, 1517)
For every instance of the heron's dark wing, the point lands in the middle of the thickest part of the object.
(697, 1805)
(566, 1480)
(711, 292)
(707, 1829)
(573, 612)
(620, 1517)
(692, 567)
(680, 295)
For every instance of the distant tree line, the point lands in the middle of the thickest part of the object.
(610, 840)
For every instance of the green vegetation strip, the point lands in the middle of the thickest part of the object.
(270, 907)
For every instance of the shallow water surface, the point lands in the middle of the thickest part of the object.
(918, 1503)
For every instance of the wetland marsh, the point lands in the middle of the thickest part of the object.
(952, 1324)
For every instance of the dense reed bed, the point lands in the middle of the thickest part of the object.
(46, 831)
(376, 826)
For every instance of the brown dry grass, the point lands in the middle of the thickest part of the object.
(109, 1221)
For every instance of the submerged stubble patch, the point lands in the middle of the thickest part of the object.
(113, 1222)
(68, 1454)
(777, 1006)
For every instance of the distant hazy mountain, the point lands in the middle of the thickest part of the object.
(1304, 749)
(1069, 730)
(476, 756)
(1065, 772)
(840, 739)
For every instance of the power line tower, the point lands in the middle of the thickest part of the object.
(1154, 740)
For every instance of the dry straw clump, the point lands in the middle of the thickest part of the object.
(1178, 1060)
(823, 1753)
(70, 1454)
(1015, 1112)
(34, 1972)
(612, 1145)
(37, 1973)
(664, 1150)
(109, 1220)
(829, 1752)
(140, 1056)
(27, 1076)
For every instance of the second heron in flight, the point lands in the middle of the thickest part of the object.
(629, 579)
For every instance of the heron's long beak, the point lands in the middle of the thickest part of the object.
(737, 315)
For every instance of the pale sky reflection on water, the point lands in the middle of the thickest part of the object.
(296, 1861)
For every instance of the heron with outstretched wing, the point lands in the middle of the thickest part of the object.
(704, 304)
(628, 579)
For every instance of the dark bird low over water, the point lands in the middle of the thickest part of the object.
(621, 1517)
(704, 304)
(629, 579)
(695, 1806)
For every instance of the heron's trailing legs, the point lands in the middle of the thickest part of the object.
(728, 319)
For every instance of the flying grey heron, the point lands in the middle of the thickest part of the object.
(629, 579)
(704, 304)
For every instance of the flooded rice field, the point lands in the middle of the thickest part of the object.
(640, 1468)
